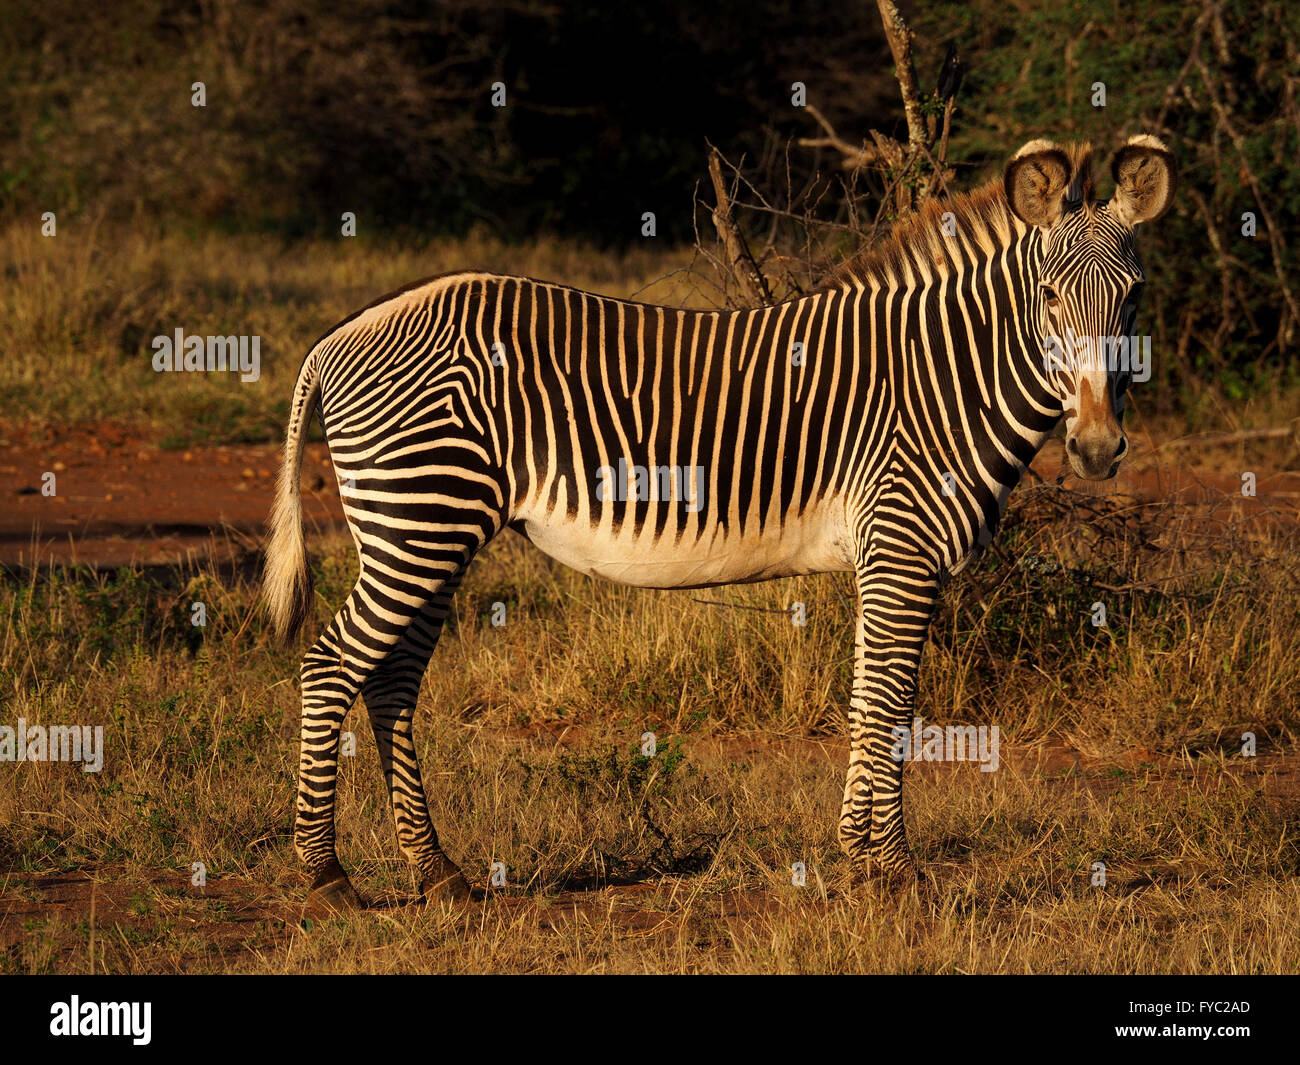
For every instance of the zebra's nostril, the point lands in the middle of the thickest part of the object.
(1123, 448)
(1072, 445)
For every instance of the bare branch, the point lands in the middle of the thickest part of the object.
(1281, 432)
(753, 285)
(1275, 242)
(856, 156)
(899, 36)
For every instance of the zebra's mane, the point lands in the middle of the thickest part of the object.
(981, 217)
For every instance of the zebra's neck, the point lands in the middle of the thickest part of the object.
(959, 322)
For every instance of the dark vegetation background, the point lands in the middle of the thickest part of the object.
(382, 108)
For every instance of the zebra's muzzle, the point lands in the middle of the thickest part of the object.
(1095, 453)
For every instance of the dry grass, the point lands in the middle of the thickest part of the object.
(79, 310)
(1120, 745)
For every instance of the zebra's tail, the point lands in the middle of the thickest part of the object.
(286, 577)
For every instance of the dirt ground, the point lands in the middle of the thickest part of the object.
(119, 499)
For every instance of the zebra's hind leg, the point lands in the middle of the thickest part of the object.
(332, 672)
(390, 694)
(897, 597)
(369, 626)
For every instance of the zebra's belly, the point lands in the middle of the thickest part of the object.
(806, 545)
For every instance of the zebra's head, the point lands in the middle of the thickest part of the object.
(1089, 281)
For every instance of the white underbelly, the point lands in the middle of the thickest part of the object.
(809, 544)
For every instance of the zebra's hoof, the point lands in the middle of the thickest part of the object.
(893, 879)
(331, 895)
(444, 883)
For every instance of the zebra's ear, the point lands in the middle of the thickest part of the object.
(1036, 181)
(1145, 177)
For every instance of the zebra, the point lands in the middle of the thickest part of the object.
(875, 425)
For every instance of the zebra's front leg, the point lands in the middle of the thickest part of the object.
(855, 810)
(894, 616)
(391, 694)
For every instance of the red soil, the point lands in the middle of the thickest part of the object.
(120, 499)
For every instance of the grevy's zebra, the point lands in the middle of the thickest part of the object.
(471, 402)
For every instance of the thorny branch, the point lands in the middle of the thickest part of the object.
(910, 172)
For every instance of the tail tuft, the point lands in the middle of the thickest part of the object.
(286, 577)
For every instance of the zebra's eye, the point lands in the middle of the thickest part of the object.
(1049, 294)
